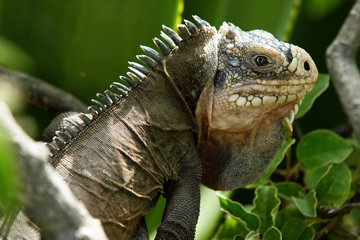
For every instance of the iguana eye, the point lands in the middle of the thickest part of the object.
(261, 61)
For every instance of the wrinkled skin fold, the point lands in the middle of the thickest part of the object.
(258, 81)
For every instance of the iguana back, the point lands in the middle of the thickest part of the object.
(125, 153)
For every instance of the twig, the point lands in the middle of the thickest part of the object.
(344, 233)
(41, 94)
(329, 227)
(342, 66)
(49, 201)
(339, 213)
(343, 208)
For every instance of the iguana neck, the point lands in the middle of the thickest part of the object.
(190, 67)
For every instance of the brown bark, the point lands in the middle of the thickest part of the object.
(341, 62)
(49, 203)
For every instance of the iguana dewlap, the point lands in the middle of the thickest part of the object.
(258, 81)
(141, 140)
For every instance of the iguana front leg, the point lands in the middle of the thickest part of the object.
(183, 201)
(141, 232)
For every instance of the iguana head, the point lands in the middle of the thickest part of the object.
(258, 82)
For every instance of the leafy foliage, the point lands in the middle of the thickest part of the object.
(333, 149)
(320, 86)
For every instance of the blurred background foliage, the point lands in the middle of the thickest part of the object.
(82, 46)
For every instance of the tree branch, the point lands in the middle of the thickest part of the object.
(344, 233)
(49, 203)
(338, 213)
(346, 207)
(41, 94)
(342, 67)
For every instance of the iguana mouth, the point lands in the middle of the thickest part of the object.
(247, 103)
(272, 92)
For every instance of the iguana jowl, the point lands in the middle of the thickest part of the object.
(209, 108)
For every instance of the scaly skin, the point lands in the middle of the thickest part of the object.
(230, 90)
(258, 81)
(143, 145)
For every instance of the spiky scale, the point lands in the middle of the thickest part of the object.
(122, 86)
(93, 112)
(111, 95)
(71, 131)
(52, 149)
(192, 28)
(173, 35)
(168, 40)
(134, 77)
(116, 88)
(139, 67)
(152, 53)
(63, 135)
(128, 81)
(59, 142)
(97, 109)
(85, 118)
(138, 73)
(163, 48)
(76, 124)
(102, 106)
(147, 60)
(201, 23)
(105, 99)
(184, 32)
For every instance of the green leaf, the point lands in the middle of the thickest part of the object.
(12, 56)
(273, 165)
(236, 209)
(289, 189)
(83, 57)
(307, 206)
(252, 236)
(296, 229)
(313, 176)
(209, 209)
(9, 180)
(320, 86)
(231, 228)
(272, 234)
(321, 147)
(266, 207)
(333, 189)
(289, 212)
(321, 8)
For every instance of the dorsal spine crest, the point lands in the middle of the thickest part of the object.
(137, 74)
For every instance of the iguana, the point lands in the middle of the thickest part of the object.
(209, 108)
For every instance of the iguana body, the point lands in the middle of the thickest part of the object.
(230, 90)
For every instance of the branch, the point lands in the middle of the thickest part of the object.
(345, 233)
(347, 207)
(342, 67)
(41, 94)
(338, 213)
(49, 203)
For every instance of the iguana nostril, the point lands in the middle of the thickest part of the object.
(306, 66)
